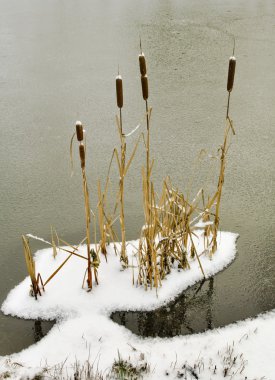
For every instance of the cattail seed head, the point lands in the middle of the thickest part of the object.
(79, 130)
(119, 91)
(144, 85)
(231, 73)
(142, 64)
(82, 155)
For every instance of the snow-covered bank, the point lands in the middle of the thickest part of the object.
(84, 328)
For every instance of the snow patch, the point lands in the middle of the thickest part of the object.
(84, 328)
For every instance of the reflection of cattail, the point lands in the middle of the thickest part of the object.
(142, 64)
(231, 73)
(79, 131)
(82, 155)
(144, 85)
(119, 91)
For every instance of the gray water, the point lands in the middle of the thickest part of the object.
(58, 61)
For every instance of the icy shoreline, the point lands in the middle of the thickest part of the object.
(84, 328)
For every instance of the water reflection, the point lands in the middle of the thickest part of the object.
(190, 313)
(37, 331)
(209, 318)
(17, 334)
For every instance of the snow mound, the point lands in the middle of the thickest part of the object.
(84, 329)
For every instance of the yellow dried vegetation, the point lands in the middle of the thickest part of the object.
(171, 220)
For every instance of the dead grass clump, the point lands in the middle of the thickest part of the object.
(170, 234)
(125, 369)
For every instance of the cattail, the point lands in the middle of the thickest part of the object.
(79, 130)
(144, 85)
(119, 91)
(82, 155)
(142, 64)
(231, 73)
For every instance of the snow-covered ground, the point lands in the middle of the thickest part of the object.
(84, 331)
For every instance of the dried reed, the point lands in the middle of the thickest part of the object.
(82, 153)
(148, 251)
(167, 237)
(230, 78)
(102, 226)
(106, 220)
(121, 166)
(31, 268)
(53, 242)
(211, 231)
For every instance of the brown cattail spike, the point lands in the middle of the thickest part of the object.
(144, 85)
(119, 91)
(82, 155)
(231, 73)
(79, 130)
(142, 64)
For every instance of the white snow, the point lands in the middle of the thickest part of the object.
(84, 329)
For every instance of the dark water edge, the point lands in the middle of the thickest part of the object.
(21, 333)
(191, 312)
(207, 305)
(210, 303)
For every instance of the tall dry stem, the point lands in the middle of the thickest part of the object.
(102, 226)
(31, 268)
(122, 166)
(224, 148)
(82, 155)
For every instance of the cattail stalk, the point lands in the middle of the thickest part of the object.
(79, 134)
(102, 227)
(119, 96)
(142, 64)
(147, 190)
(230, 80)
(145, 95)
(230, 83)
(79, 131)
(218, 195)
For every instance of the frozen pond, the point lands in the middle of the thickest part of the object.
(58, 61)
